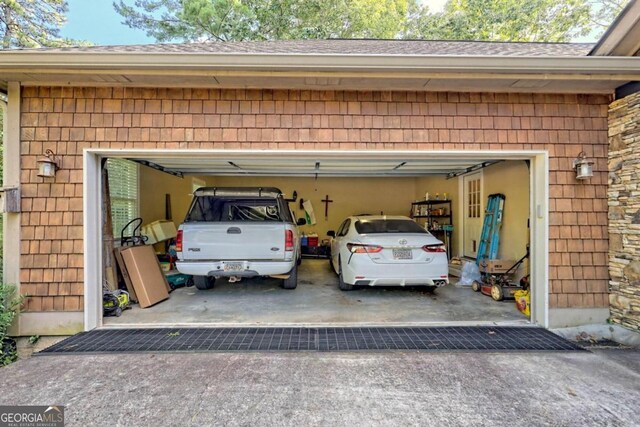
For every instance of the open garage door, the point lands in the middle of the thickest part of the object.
(427, 187)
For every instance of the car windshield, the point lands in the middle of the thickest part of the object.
(375, 226)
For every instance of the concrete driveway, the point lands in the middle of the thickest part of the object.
(301, 389)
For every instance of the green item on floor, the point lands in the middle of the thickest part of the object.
(115, 302)
(178, 280)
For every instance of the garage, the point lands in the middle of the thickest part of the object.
(337, 185)
(359, 115)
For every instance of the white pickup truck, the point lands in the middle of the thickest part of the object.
(239, 232)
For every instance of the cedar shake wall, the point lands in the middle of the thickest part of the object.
(67, 120)
(624, 210)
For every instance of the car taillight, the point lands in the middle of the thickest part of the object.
(434, 248)
(179, 241)
(356, 248)
(288, 240)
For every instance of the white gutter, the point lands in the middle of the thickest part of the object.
(23, 61)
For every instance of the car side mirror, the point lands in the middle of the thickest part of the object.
(331, 233)
(301, 221)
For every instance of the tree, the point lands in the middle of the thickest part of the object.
(508, 20)
(605, 11)
(33, 23)
(219, 20)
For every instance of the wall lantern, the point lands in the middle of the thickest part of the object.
(583, 166)
(48, 165)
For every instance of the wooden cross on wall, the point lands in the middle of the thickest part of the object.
(326, 202)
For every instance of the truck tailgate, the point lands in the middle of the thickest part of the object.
(233, 240)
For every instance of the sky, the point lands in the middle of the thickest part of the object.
(97, 21)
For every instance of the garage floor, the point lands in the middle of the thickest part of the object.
(317, 300)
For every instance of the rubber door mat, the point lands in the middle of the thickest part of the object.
(448, 338)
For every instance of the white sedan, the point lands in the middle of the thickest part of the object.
(387, 251)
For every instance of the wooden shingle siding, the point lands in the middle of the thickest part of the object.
(67, 120)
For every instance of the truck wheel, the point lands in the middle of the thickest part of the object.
(203, 283)
(341, 284)
(292, 281)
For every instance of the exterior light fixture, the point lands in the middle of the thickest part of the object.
(583, 166)
(48, 165)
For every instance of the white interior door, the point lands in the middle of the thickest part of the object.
(473, 213)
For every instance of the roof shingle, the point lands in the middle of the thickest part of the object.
(348, 47)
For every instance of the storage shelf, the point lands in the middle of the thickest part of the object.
(431, 202)
(445, 235)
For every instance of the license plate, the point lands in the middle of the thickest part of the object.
(402, 254)
(233, 266)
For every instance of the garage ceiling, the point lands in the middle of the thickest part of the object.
(203, 165)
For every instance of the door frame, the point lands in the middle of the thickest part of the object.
(539, 207)
(462, 208)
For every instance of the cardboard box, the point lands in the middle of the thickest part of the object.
(159, 231)
(496, 266)
(122, 268)
(145, 274)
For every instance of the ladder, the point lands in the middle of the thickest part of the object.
(490, 237)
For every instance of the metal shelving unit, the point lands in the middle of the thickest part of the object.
(423, 210)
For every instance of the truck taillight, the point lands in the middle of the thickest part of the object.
(288, 240)
(179, 241)
(434, 248)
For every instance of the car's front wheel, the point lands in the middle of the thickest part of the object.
(204, 283)
(341, 283)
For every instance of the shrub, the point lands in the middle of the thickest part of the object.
(9, 305)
